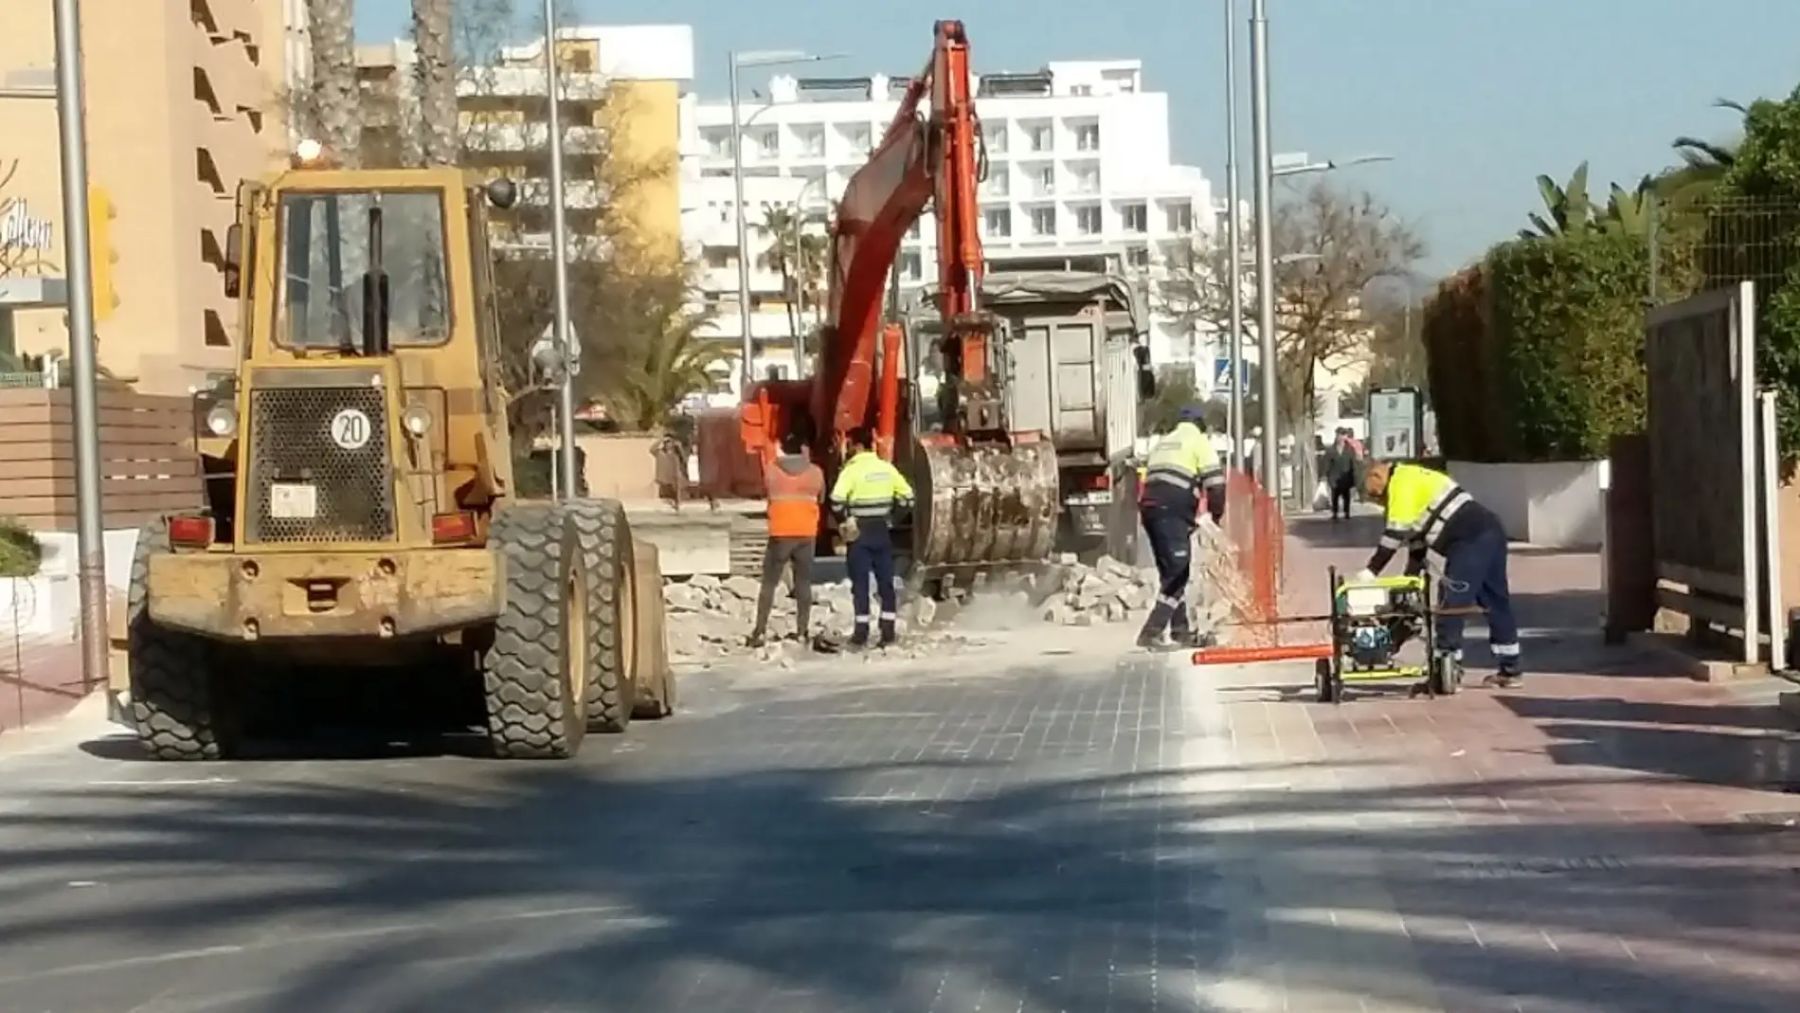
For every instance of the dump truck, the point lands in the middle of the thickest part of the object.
(360, 506)
(1077, 365)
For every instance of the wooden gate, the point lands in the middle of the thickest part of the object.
(1704, 461)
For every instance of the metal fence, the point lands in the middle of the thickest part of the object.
(1725, 241)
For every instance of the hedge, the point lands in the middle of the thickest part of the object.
(1535, 354)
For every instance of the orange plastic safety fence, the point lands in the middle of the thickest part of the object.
(1256, 531)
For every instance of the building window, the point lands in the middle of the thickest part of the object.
(995, 139)
(1087, 219)
(759, 144)
(810, 139)
(998, 222)
(914, 230)
(1039, 137)
(1087, 179)
(1134, 218)
(856, 137)
(999, 182)
(1082, 90)
(912, 266)
(1043, 221)
(718, 141)
(1180, 215)
(719, 257)
(1087, 137)
(1043, 180)
(1137, 256)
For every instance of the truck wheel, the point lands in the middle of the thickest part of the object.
(653, 679)
(532, 672)
(173, 696)
(612, 625)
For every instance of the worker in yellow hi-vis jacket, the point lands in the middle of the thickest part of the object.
(870, 492)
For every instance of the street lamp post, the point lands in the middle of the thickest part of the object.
(1265, 239)
(739, 61)
(89, 527)
(1235, 417)
(559, 242)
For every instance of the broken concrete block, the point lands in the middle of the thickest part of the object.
(743, 587)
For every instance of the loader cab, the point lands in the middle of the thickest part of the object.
(368, 407)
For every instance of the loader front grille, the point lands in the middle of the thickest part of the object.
(309, 484)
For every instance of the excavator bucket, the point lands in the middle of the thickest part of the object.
(983, 506)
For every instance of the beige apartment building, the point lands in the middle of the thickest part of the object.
(184, 99)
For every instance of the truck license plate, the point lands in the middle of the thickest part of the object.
(290, 501)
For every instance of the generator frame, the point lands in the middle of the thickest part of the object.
(1436, 676)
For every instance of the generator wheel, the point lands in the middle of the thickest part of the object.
(654, 679)
(1324, 683)
(1445, 675)
(174, 701)
(532, 671)
(612, 625)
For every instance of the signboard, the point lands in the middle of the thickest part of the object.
(1222, 372)
(21, 230)
(1395, 424)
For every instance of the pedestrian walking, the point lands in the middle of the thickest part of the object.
(671, 470)
(868, 498)
(1428, 512)
(1341, 463)
(795, 486)
(1183, 474)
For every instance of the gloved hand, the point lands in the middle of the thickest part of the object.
(1365, 575)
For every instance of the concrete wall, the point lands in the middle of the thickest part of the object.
(1556, 504)
(619, 466)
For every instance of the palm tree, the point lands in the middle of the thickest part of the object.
(436, 72)
(333, 98)
(1705, 164)
(779, 225)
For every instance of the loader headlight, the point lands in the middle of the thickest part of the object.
(222, 420)
(416, 419)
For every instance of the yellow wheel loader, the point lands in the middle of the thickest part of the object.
(360, 506)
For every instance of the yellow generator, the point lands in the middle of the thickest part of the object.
(361, 506)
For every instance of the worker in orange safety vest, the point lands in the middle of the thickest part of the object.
(795, 486)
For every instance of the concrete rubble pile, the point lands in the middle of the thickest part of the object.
(709, 618)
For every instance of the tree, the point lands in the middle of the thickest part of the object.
(440, 141)
(1348, 241)
(330, 107)
(778, 223)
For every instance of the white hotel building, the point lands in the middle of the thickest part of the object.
(1079, 175)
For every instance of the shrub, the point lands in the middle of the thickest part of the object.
(20, 551)
(1566, 318)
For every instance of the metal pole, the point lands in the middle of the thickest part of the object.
(1235, 273)
(1265, 240)
(799, 273)
(89, 526)
(743, 231)
(559, 241)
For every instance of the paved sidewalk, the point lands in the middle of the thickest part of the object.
(40, 679)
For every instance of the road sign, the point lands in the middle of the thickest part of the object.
(1222, 373)
(1394, 423)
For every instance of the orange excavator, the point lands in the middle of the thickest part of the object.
(987, 495)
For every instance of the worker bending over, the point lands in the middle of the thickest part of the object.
(1428, 512)
(869, 495)
(795, 485)
(1182, 474)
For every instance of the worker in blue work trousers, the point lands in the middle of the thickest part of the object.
(1182, 476)
(870, 495)
(1428, 512)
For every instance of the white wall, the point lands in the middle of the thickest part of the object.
(1555, 504)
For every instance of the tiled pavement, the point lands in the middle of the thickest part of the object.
(1073, 827)
(40, 678)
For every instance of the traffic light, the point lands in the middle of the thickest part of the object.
(101, 255)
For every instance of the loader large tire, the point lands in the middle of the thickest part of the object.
(175, 704)
(655, 680)
(612, 625)
(532, 669)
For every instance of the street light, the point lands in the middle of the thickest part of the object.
(559, 242)
(1328, 165)
(738, 61)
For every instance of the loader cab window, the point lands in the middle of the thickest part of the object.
(363, 271)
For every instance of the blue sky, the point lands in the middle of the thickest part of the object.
(1474, 98)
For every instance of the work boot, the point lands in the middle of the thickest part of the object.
(1194, 639)
(754, 640)
(1508, 677)
(888, 634)
(859, 637)
(1149, 639)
